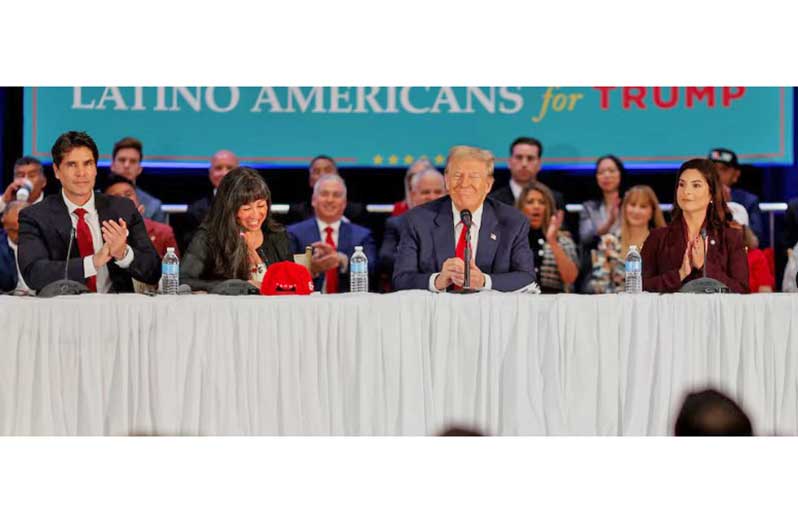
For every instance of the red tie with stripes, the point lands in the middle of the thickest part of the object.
(85, 244)
(331, 276)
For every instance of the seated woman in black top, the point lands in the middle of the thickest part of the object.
(238, 239)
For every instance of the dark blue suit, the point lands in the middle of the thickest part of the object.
(350, 235)
(755, 220)
(428, 240)
(390, 244)
(8, 265)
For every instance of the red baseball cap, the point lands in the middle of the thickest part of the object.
(284, 278)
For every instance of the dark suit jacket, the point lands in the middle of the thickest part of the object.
(663, 253)
(390, 244)
(196, 270)
(350, 235)
(8, 265)
(505, 195)
(194, 217)
(298, 212)
(44, 231)
(428, 240)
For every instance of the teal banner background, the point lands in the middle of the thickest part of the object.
(391, 126)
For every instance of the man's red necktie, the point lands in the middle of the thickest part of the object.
(331, 276)
(459, 251)
(85, 245)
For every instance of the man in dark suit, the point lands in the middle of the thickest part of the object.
(9, 245)
(110, 245)
(728, 167)
(431, 251)
(222, 162)
(333, 239)
(526, 159)
(126, 158)
(426, 186)
(320, 166)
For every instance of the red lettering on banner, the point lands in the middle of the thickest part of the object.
(633, 94)
(605, 96)
(731, 93)
(699, 93)
(662, 104)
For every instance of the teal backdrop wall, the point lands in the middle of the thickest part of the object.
(392, 126)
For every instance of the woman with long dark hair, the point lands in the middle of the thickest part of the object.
(238, 239)
(601, 216)
(676, 254)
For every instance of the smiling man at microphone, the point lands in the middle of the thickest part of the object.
(432, 251)
(110, 244)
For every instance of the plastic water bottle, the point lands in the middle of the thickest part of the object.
(634, 271)
(359, 271)
(170, 272)
(23, 193)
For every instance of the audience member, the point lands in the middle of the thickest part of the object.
(675, 255)
(556, 259)
(424, 187)
(729, 173)
(333, 239)
(788, 241)
(760, 277)
(126, 161)
(420, 165)
(222, 162)
(526, 159)
(238, 239)
(432, 247)
(27, 169)
(111, 245)
(711, 413)
(640, 213)
(322, 165)
(161, 235)
(601, 216)
(10, 276)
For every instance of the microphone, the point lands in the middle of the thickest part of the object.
(465, 217)
(65, 287)
(704, 285)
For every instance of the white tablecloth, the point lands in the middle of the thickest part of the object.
(400, 364)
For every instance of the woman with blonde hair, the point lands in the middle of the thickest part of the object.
(640, 213)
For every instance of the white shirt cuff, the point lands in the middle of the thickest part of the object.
(2, 205)
(125, 262)
(89, 269)
(488, 283)
(431, 285)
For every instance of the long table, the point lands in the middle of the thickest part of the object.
(408, 363)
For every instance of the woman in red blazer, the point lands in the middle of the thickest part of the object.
(675, 255)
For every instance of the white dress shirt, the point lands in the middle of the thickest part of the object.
(516, 189)
(21, 285)
(476, 221)
(93, 221)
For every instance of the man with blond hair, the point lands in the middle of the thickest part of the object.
(433, 244)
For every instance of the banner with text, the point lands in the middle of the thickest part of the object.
(392, 126)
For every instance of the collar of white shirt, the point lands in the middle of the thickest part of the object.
(516, 189)
(88, 206)
(323, 225)
(476, 217)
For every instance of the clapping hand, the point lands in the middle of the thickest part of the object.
(115, 237)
